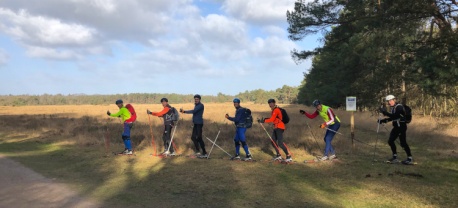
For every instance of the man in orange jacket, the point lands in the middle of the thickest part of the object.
(166, 114)
(279, 127)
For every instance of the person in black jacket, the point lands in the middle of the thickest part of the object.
(198, 121)
(397, 116)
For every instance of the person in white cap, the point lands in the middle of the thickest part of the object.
(397, 116)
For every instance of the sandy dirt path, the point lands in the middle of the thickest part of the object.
(23, 187)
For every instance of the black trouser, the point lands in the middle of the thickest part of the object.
(197, 138)
(278, 138)
(166, 138)
(401, 132)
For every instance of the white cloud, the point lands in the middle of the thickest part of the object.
(3, 57)
(262, 12)
(51, 53)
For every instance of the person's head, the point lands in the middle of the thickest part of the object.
(164, 102)
(197, 98)
(271, 103)
(236, 102)
(119, 103)
(391, 100)
(317, 104)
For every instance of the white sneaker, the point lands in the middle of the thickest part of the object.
(332, 157)
(128, 152)
(166, 153)
(203, 156)
(277, 158)
(323, 158)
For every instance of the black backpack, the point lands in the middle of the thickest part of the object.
(408, 113)
(172, 115)
(248, 118)
(284, 115)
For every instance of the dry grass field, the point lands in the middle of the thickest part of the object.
(68, 143)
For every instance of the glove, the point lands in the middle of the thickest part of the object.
(383, 109)
(380, 121)
(302, 112)
(148, 112)
(181, 110)
(261, 120)
(108, 113)
(323, 125)
(227, 115)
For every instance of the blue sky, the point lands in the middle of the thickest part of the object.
(142, 46)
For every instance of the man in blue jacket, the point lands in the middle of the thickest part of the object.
(198, 121)
(239, 121)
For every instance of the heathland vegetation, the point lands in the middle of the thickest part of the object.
(68, 143)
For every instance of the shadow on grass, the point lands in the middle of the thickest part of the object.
(73, 151)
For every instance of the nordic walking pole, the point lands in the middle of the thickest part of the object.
(152, 137)
(213, 144)
(313, 135)
(376, 137)
(107, 138)
(333, 131)
(173, 134)
(275, 145)
(218, 146)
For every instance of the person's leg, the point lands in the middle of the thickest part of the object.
(393, 136)
(335, 127)
(126, 137)
(237, 143)
(194, 138)
(167, 134)
(280, 142)
(275, 136)
(403, 140)
(199, 138)
(241, 132)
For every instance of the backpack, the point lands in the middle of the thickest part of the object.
(408, 113)
(175, 115)
(133, 115)
(248, 118)
(284, 115)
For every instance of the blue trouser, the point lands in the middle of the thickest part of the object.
(126, 136)
(328, 138)
(240, 137)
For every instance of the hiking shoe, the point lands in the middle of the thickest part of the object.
(408, 161)
(392, 160)
(197, 154)
(332, 157)
(166, 153)
(236, 157)
(288, 159)
(277, 158)
(203, 156)
(323, 158)
(127, 152)
(172, 154)
(247, 158)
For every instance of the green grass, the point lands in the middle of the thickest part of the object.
(144, 181)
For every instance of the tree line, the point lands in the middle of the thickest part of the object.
(375, 48)
(283, 95)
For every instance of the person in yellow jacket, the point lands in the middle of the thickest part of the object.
(125, 115)
(331, 123)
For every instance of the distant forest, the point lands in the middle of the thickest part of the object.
(284, 95)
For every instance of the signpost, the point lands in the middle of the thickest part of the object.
(351, 106)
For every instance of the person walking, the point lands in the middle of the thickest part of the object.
(127, 124)
(397, 116)
(240, 129)
(279, 127)
(198, 121)
(166, 114)
(331, 123)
